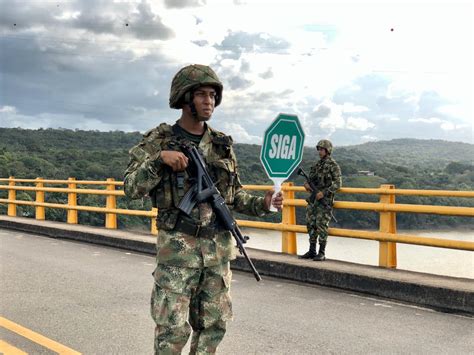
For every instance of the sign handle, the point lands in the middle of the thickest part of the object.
(277, 182)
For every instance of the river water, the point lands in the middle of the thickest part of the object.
(439, 261)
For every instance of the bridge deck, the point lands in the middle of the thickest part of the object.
(94, 300)
(441, 292)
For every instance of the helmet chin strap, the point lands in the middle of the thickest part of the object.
(194, 112)
(188, 99)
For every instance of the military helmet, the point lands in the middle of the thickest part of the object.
(190, 78)
(324, 143)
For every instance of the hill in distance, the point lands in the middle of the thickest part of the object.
(405, 152)
(416, 152)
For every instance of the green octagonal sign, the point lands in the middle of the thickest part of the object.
(282, 148)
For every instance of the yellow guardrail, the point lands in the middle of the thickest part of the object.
(387, 235)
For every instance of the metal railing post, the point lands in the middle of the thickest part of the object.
(111, 202)
(288, 216)
(388, 224)
(39, 210)
(154, 228)
(72, 201)
(11, 196)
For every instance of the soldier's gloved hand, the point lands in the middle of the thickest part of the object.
(307, 187)
(319, 195)
(177, 160)
(277, 201)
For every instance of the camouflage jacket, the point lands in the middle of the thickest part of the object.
(146, 175)
(326, 175)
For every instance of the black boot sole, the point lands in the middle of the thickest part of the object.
(305, 257)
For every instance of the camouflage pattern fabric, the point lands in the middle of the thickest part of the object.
(185, 299)
(192, 277)
(147, 175)
(180, 249)
(326, 175)
(188, 79)
(324, 143)
(317, 221)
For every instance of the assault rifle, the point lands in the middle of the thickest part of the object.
(314, 191)
(204, 190)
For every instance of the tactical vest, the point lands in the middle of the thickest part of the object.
(320, 175)
(173, 186)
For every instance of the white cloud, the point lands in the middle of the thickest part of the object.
(332, 117)
(449, 126)
(457, 110)
(333, 120)
(359, 124)
(67, 15)
(7, 109)
(349, 107)
(426, 120)
(304, 56)
(368, 138)
(239, 134)
(443, 124)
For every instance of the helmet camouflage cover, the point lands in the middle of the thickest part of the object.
(324, 143)
(190, 78)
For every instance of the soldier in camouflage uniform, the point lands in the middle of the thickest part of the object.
(192, 275)
(326, 176)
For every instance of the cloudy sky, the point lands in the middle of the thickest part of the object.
(351, 71)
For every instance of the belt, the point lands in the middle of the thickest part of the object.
(196, 229)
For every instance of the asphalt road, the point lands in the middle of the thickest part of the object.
(95, 300)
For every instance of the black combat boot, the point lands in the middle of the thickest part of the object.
(321, 256)
(311, 253)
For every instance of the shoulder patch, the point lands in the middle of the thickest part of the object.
(154, 139)
(163, 129)
(149, 132)
(137, 153)
(220, 138)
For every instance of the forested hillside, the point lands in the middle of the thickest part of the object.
(93, 155)
(417, 153)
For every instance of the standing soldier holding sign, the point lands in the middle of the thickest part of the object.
(192, 277)
(325, 175)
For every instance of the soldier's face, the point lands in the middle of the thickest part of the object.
(204, 101)
(322, 152)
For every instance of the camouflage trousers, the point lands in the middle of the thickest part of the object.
(185, 299)
(317, 221)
